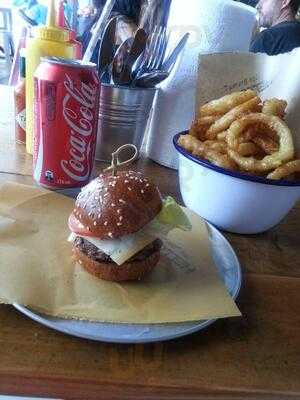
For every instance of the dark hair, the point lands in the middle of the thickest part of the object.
(295, 4)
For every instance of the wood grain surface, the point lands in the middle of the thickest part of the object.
(254, 357)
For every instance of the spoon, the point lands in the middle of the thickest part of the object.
(120, 56)
(151, 79)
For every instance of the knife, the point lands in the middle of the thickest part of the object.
(137, 48)
(169, 63)
(107, 50)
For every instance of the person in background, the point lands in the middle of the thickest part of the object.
(282, 33)
(131, 14)
(251, 3)
(89, 11)
(128, 8)
(34, 9)
(86, 16)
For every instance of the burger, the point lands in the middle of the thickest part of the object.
(112, 226)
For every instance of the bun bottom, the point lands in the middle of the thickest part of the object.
(109, 271)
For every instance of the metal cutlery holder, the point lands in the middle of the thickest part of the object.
(123, 118)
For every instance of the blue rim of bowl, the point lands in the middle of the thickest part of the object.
(238, 175)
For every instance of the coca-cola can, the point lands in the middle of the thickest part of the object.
(66, 112)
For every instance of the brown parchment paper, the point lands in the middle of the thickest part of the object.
(37, 270)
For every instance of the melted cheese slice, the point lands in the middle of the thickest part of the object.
(122, 249)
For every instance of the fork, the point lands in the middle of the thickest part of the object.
(159, 50)
(154, 53)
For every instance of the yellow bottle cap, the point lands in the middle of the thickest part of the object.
(50, 31)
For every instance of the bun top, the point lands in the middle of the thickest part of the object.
(113, 206)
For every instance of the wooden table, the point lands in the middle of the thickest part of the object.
(254, 357)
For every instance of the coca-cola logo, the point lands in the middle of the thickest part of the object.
(80, 119)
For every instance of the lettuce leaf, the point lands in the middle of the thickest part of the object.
(173, 216)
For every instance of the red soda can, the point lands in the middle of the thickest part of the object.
(66, 112)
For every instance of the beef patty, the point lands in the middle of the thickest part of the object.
(95, 254)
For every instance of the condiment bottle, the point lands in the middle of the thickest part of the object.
(77, 45)
(47, 41)
(20, 103)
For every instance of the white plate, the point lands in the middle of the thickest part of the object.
(230, 271)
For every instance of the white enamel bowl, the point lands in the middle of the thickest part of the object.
(232, 201)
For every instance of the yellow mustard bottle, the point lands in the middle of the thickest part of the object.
(46, 41)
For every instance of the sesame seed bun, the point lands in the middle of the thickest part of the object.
(110, 206)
